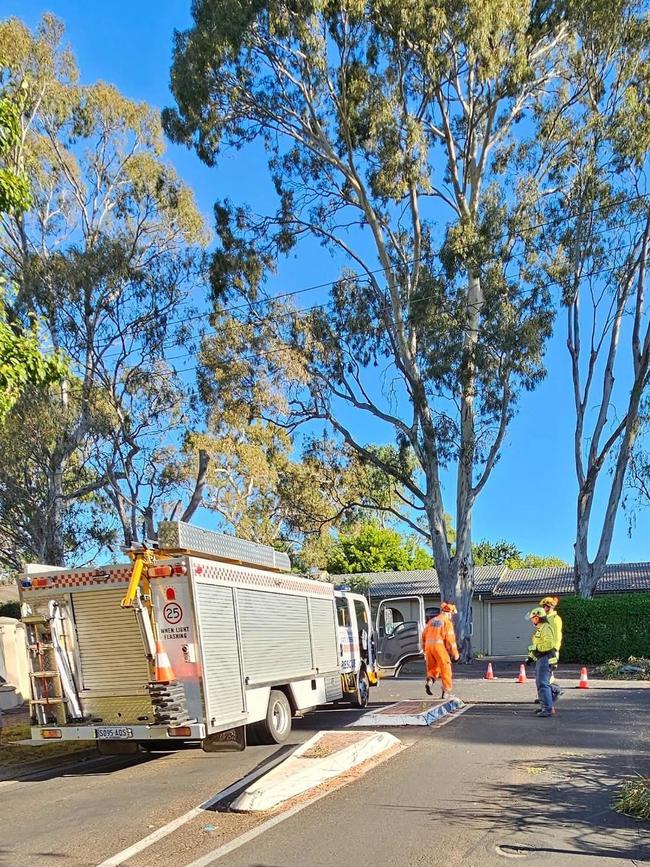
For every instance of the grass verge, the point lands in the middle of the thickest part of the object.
(633, 798)
(13, 754)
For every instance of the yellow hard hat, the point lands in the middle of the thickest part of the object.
(551, 601)
(536, 612)
(449, 607)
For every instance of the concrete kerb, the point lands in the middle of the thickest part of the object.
(403, 715)
(300, 773)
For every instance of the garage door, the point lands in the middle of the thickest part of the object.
(510, 630)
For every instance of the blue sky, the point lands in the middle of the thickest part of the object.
(530, 498)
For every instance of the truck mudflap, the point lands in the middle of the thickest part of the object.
(54, 734)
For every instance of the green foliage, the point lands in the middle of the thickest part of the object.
(504, 553)
(10, 609)
(535, 561)
(15, 194)
(633, 799)
(494, 553)
(609, 627)
(372, 548)
(36, 526)
(22, 361)
(615, 669)
(23, 364)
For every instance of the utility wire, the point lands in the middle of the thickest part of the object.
(330, 283)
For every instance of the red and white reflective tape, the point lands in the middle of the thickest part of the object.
(97, 578)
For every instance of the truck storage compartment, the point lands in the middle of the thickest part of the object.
(114, 669)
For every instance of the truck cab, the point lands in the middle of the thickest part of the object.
(356, 646)
(399, 624)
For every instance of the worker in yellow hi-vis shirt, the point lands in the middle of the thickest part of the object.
(549, 604)
(542, 649)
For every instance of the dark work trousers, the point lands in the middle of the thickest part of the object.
(543, 683)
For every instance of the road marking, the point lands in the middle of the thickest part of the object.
(172, 826)
(227, 848)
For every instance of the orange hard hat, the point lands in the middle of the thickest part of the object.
(449, 607)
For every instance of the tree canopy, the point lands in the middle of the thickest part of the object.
(418, 144)
(22, 360)
(371, 548)
(105, 256)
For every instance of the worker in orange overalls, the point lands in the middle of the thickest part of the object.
(438, 643)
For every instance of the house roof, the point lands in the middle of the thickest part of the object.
(619, 577)
(419, 582)
(503, 583)
(535, 582)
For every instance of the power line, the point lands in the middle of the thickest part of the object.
(554, 221)
(420, 300)
(353, 278)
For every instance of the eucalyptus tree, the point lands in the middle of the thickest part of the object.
(395, 136)
(106, 255)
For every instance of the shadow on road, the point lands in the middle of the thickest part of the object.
(562, 809)
(557, 800)
(89, 767)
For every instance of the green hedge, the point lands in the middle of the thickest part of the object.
(614, 626)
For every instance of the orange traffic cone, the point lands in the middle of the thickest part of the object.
(522, 674)
(584, 680)
(164, 672)
(489, 674)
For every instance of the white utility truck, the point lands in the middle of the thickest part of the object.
(202, 637)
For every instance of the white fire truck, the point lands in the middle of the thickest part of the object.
(202, 637)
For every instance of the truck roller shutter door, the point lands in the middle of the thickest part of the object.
(110, 644)
(324, 633)
(222, 681)
(275, 636)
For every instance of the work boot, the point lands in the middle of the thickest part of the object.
(427, 685)
(546, 712)
(446, 693)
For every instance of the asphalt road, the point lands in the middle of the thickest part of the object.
(495, 785)
(496, 776)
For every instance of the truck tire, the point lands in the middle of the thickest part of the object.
(276, 728)
(362, 694)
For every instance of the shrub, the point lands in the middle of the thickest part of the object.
(633, 799)
(611, 627)
(10, 609)
(616, 669)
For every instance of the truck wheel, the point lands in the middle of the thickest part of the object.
(276, 728)
(362, 694)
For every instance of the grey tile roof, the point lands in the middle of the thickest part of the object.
(419, 581)
(619, 577)
(625, 576)
(535, 582)
(503, 583)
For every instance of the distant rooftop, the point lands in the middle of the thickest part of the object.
(420, 581)
(503, 583)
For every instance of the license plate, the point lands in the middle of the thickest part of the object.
(114, 733)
